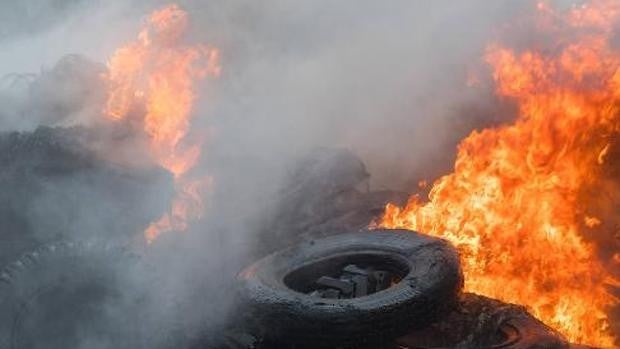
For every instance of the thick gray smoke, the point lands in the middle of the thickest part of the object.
(387, 80)
(384, 80)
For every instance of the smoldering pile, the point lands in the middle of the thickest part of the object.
(333, 202)
(56, 177)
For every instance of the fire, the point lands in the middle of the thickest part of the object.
(516, 204)
(151, 83)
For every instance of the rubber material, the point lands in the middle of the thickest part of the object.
(429, 289)
(70, 295)
(480, 322)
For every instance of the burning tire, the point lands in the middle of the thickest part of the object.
(354, 289)
(481, 322)
(70, 295)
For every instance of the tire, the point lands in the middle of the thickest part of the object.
(429, 288)
(533, 334)
(71, 295)
(484, 323)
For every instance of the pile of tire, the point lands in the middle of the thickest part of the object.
(56, 186)
(417, 311)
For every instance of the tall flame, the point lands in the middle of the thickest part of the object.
(515, 205)
(152, 80)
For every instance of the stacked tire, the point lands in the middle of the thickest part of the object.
(425, 309)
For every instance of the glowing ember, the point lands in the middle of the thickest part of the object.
(152, 80)
(515, 205)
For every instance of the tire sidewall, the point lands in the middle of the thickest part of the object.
(432, 284)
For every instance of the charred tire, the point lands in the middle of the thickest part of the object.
(484, 323)
(522, 332)
(533, 334)
(70, 295)
(429, 287)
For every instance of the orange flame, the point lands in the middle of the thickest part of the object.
(515, 205)
(152, 80)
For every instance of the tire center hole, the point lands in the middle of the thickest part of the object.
(347, 276)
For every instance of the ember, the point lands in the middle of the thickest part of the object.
(516, 204)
